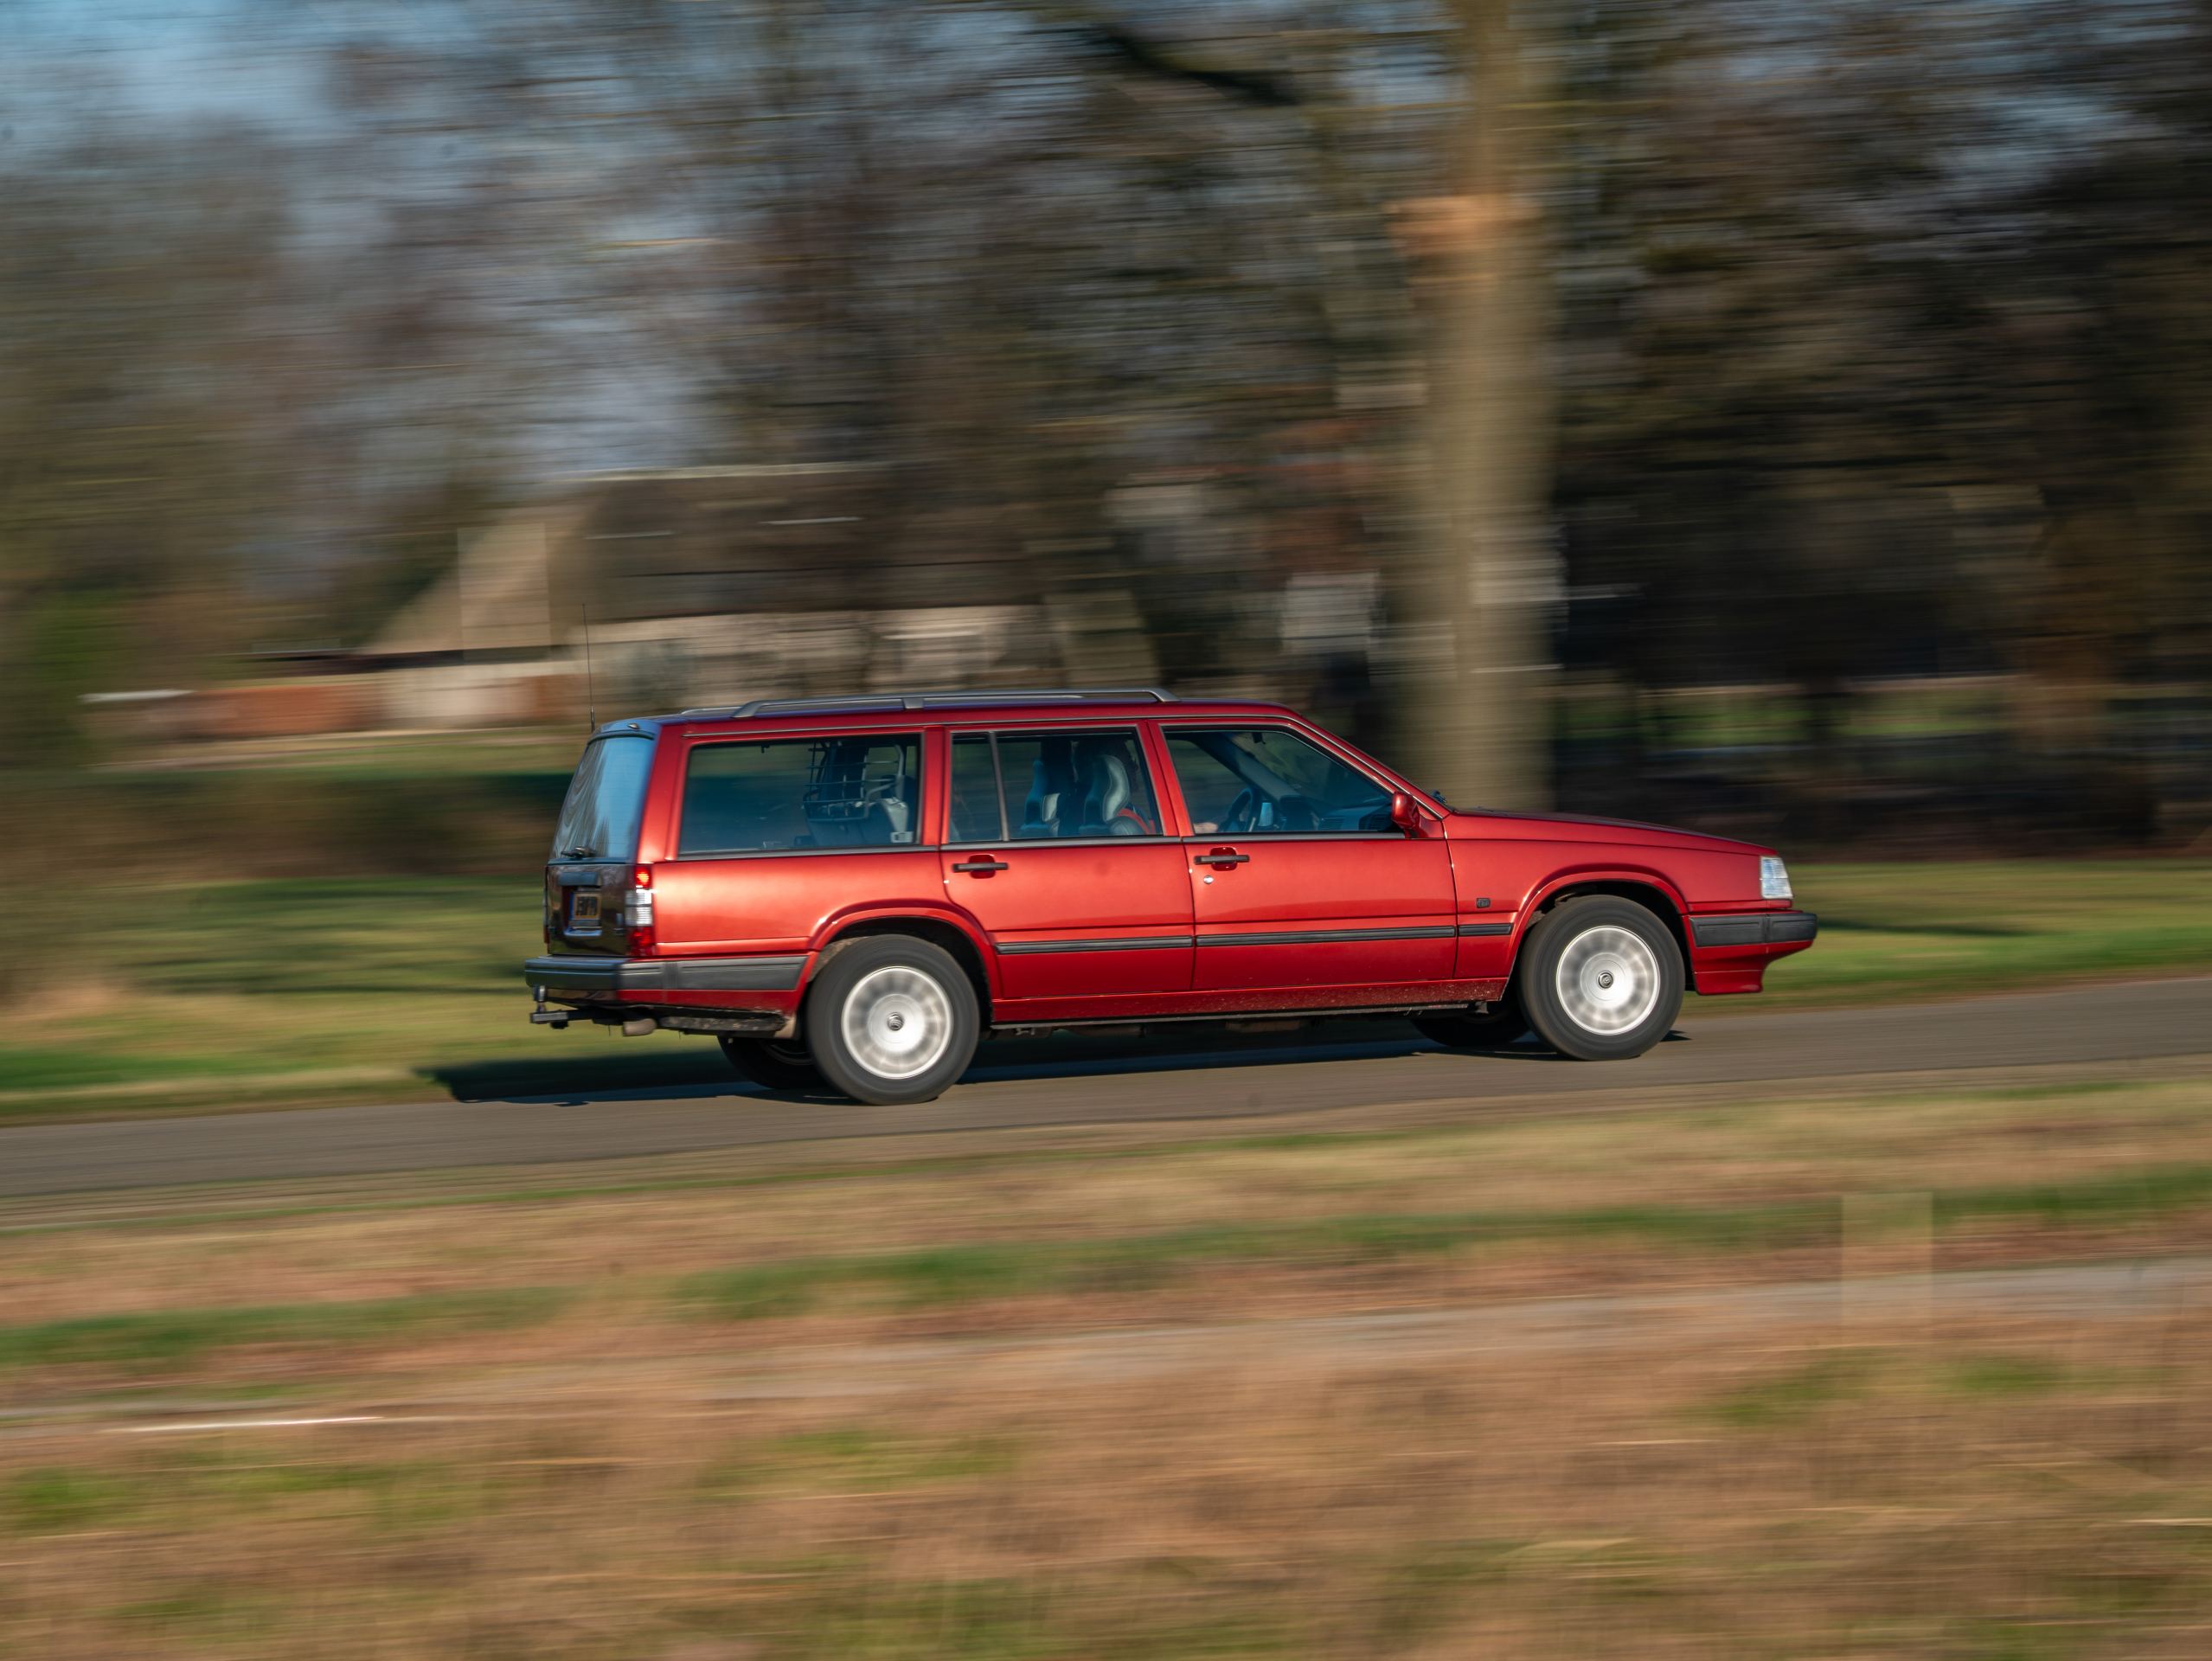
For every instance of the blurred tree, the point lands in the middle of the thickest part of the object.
(1476, 706)
(1828, 344)
(212, 425)
(1848, 298)
(125, 483)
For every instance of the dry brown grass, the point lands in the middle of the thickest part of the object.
(619, 1479)
(2026, 1492)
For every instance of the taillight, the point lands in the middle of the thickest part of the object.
(637, 911)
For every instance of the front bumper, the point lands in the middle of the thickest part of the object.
(1729, 950)
(1755, 928)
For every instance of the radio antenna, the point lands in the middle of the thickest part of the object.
(591, 692)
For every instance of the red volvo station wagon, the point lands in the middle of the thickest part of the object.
(854, 891)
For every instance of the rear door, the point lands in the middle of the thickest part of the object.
(777, 835)
(1054, 846)
(1298, 879)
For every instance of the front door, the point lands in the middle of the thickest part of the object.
(1054, 846)
(1298, 879)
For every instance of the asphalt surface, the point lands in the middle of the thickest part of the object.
(1111, 1084)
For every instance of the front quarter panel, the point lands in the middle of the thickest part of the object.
(1517, 865)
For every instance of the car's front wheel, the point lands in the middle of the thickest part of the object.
(1601, 978)
(778, 1063)
(892, 1019)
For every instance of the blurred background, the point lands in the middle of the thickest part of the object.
(1791, 421)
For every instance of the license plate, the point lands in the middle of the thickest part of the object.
(584, 907)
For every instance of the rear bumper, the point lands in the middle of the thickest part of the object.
(646, 977)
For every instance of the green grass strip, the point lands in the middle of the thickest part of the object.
(972, 1274)
(969, 1274)
(186, 1335)
(944, 1274)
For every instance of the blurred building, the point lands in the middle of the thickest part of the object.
(700, 585)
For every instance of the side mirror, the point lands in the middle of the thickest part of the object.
(1405, 814)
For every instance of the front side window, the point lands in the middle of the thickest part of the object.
(1032, 785)
(1252, 780)
(606, 800)
(856, 791)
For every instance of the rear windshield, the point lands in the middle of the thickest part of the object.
(606, 800)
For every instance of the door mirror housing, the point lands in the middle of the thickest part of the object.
(1405, 813)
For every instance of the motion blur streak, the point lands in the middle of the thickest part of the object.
(1724, 410)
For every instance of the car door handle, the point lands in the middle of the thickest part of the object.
(980, 865)
(1223, 859)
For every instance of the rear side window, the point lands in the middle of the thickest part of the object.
(1032, 785)
(863, 790)
(607, 799)
(1242, 781)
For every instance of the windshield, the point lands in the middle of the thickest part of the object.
(606, 800)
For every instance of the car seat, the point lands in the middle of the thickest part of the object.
(846, 808)
(1051, 780)
(1107, 809)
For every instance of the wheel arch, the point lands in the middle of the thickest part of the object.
(1647, 892)
(939, 932)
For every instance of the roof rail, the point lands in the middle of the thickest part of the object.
(934, 700)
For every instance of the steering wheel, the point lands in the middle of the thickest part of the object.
(1240, 813)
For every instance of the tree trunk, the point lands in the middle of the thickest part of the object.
(1477, 693)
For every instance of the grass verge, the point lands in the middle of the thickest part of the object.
(941, 1276)
(955, 1274)
(1904, 933)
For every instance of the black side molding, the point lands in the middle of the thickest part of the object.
(1143, 943)
(1329, 936)
(1755, 928)
(766, 974)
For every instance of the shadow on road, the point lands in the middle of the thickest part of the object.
(650, 1072)
(648, 1069)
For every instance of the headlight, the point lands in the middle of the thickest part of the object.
(1773, 879)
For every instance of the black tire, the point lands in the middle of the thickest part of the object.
(1504, 1023)
(891, 1019)
(776, 1063)
(1601, 978)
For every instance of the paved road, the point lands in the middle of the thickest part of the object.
(2085, 1024)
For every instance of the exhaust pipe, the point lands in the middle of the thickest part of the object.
(638, 1029)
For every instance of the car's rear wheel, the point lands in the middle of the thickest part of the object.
(1504, 1023)
(776, 1063)
(892, 1019)
(1601, 978)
